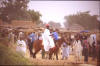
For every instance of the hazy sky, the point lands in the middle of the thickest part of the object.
(56, 10)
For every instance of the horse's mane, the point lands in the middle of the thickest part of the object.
(60, 41)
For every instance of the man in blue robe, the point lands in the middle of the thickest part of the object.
(32, 38)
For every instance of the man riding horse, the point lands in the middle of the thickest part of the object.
(46, 44)
(48, 41)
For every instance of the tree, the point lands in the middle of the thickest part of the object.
(35, 16)
(84, 19)
(13, 9)
(17, 10)
(54, 24)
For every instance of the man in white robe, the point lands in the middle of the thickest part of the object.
(21, 47)
(77, 50)
(92, 39)
(93, 43)
(65, 51)
(48, 41)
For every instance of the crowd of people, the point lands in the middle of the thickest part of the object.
(80, 44)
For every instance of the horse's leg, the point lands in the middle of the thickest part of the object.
(34, 54)
(31, 53)
(57, 51)
(50, 55)
(56, 56)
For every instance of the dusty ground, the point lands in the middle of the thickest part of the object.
(69, 62)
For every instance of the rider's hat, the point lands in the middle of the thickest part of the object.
(47, 25)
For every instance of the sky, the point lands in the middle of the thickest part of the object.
(56, 10)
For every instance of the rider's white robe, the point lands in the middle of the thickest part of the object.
(48, 41)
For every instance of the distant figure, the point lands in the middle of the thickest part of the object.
(21, 47)
(98, 49)
(77, 49)
(72, 37)
(32, 39)
(32, 36)
(65, 51)
(93, 44)
(11, 38)
(85, 49)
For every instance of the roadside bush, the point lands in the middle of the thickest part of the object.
(9, 56)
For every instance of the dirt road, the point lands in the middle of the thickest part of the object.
(69, 62)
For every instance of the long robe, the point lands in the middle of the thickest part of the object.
(91, 40)
(21, 46)
(65, 51)
(78, 49)
(48, 41)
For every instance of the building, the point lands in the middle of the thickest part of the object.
(18, 23)
(21, 23)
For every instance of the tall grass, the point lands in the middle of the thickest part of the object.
(9, 56)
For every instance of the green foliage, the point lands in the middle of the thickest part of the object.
(12, 9)
(17, 10)
(35, 16)
(84, 19)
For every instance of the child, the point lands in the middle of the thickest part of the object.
(65, 51)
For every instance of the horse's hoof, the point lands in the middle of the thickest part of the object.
(34, 56)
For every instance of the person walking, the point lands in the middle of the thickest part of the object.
(21, 46)
(85, 49)
(77, 49)
(32, 38)
(65, 51)
(93, 44)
